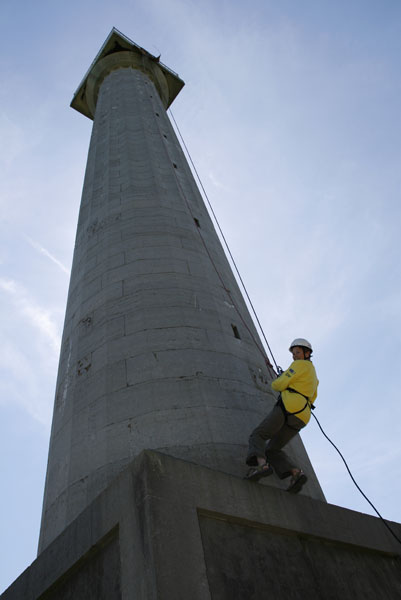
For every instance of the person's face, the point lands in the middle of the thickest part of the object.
(298, 353)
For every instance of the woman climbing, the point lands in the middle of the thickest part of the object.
(298, 391)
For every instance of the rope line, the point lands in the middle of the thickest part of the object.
(226, 289)
(224, 239)
(228, 292)
(355, 483)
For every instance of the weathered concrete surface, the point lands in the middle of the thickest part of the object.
(149, 355)
(167, 529)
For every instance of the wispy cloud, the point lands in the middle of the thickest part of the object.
(28, 352)
(217, 183)
(38, 317)
(46, 253)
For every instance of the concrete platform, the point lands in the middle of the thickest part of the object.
(171, 530)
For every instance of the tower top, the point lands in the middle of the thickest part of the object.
(118, 51)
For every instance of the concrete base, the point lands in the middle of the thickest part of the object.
(171, 530)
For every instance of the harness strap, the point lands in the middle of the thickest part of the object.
(286, 412)
(280, 403)
(307, 403)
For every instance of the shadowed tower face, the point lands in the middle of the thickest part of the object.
(156, 354)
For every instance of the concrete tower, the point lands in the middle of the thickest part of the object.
(161, 380)
(158, 350)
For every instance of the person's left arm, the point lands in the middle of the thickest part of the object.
(286, 379)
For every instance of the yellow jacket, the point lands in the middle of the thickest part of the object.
(300, 376)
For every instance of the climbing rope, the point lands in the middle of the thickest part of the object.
(225, 243)
(355, 483)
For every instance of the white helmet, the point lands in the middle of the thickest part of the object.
(300, 342)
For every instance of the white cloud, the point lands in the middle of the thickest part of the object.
(215, 181)
(25, 383)
(38, 317)
(28, 352)
(46, 253)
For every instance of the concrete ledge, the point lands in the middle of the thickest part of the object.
(169, 529)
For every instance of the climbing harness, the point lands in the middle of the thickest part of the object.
(307, 403)
(288, 413)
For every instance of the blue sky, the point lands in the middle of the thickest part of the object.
(291, 112)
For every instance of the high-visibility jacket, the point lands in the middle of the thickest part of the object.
(301, 377)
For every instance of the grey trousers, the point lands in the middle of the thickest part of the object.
(279, 431)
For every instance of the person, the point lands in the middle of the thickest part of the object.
(298, 391)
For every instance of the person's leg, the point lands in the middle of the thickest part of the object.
(268, 428)
(282, 463)
(297, 482)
